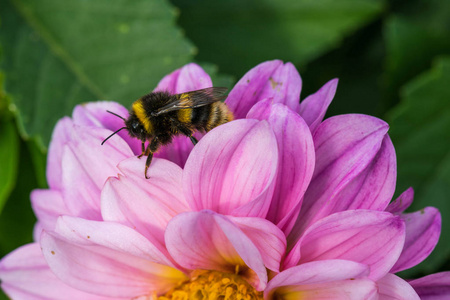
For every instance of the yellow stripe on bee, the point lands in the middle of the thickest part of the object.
(212, 116)
(185, 99)
(185, 115)
(139, 110)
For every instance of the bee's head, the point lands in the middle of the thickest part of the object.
(135, 128)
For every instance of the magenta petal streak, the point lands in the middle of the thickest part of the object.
(345, 146)
(422, 234)
(296, 161)
(369, 237)
(232, 170)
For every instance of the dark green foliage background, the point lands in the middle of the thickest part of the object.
(392, 59)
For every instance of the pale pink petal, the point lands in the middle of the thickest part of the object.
(25, 275)
(146, 205)
(206, 240)
(284, 86)
(95, 114)
(247, 91)
(111, 235)
(329, 279)
(88, 164)
(313, 108)
(296, 161)
(48, 205)
(107, 259)
(37, 230)
(392, 287)
(60, 136)
(232, 169)
(189, 78)
(269, 239)
(422, 234)
(345, 146)
(82, 202)
(370, 237)
(403, 201)
(433, 287)
(374, 187)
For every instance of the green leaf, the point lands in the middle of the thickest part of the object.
(236, 35)
(60, 53)
(17, 218)
(9, 153)
(414, 37)
(39, 159)
(420, 130)
(9, 147)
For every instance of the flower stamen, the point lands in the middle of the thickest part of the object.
(211, 285)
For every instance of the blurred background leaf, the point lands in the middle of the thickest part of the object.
(420, 131)
(9, 152)
(9, 148)
(59, 53)
(237, 35)
(414, 37)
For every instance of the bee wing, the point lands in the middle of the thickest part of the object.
(193, 99)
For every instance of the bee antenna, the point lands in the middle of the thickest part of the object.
(116, 115)
(113, 134)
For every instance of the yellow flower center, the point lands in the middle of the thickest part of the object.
(212, 285)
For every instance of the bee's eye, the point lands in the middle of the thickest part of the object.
(135, 127)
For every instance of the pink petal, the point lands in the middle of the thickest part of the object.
(48, 205)
(284, 86)
(403, 201)
(191, 77)
(206, 240)
(422, 234)
(248, 90)
(94, 114)
(433, 287)
(346, 146)
(329, 279)
(269, 239)
(232, 169)
(374, 187)
(314, 107)
(369, 237)
(88, 164)
(169, 82)
(25, 275)
(107, 259)
(296, 161)
(37, 230)
(146, 205)
(392, 287)
(60, 136)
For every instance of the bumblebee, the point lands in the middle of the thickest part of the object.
(159, 116)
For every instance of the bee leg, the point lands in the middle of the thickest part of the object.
(147, 163)
(193, 140)
(188, 133)
(143, 150)
(151, 148)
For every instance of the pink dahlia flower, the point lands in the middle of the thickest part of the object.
(274, 205)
